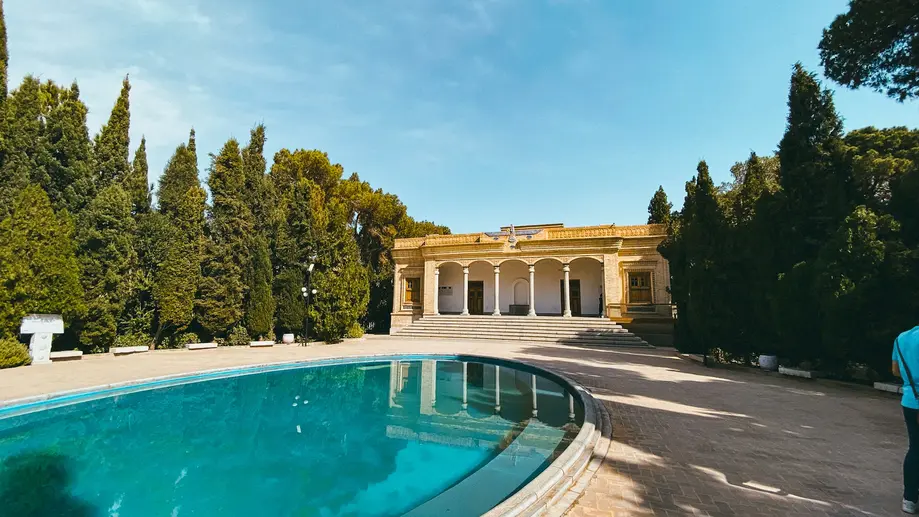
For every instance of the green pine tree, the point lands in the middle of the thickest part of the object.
(260, 304)
(178, 275)
(223, 290)
(39, 272)
(105, 235)
(341, 281)
(69, 180)
(136, 184)
(4, 56)
(659, 208)
(814, 185)
(25, 151)
(112, 144)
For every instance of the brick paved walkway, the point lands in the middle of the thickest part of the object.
(687, 440)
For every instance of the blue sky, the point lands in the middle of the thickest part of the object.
(476, 113)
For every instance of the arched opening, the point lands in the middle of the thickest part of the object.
(586, 283)
(515, 287)
(450, 288)
(521, 292)
(548, 279)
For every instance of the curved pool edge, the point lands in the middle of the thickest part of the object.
(557, 487)
(554, 490)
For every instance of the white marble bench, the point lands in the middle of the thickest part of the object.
(260, 344)
(66, 355)
(200, 346)
(125, 350)
(889, 387)
(796, 372)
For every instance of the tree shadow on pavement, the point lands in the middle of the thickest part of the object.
(694, 440)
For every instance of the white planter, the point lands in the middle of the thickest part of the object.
(769, 362)
(287, 339)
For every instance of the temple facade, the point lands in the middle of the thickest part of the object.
(603, 271)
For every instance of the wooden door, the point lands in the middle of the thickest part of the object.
(476, 297)
(575, 296)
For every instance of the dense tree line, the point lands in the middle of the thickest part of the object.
(81, 234)
(812, 253)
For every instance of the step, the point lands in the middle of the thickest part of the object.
(575, 342)
(524, 328)
(522, 337)
(516, 324)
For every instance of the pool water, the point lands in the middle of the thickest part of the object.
(379, 439)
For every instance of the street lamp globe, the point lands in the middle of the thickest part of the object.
(303, 290)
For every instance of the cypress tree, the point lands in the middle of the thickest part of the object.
(25, 153)
(814, 185)
(659, 208)
(220, 305)
(260, 303)
(105, 235)
(182, 205)
(4, 56)
(39, 272)
(69, 181)
(136, 184)
(112, 145)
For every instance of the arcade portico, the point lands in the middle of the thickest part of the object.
(547, 270)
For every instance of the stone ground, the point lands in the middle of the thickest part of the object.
(687, 440)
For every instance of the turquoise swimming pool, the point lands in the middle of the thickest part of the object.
(413, 435)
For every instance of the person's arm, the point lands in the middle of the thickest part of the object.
(895, 367)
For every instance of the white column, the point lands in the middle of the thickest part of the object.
(465, 291)
(465, 380)
(532, 311)
(602, 308)
(533, 387)
(567, 312)
(497, 311)
(434, 384)
(497, 389)
(436, 290)
(570, 406)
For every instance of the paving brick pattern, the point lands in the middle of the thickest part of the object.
(687, 440)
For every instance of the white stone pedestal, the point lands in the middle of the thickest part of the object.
(42, 327)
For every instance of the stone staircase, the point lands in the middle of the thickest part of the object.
(553, 329)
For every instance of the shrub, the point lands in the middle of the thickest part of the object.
(355, 331)
(133, 339)
(186, 338)
(238, 336)
(13, 353)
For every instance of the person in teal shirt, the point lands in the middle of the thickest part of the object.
(906, 366)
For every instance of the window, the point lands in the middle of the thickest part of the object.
(640, 287)
(413, 291)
